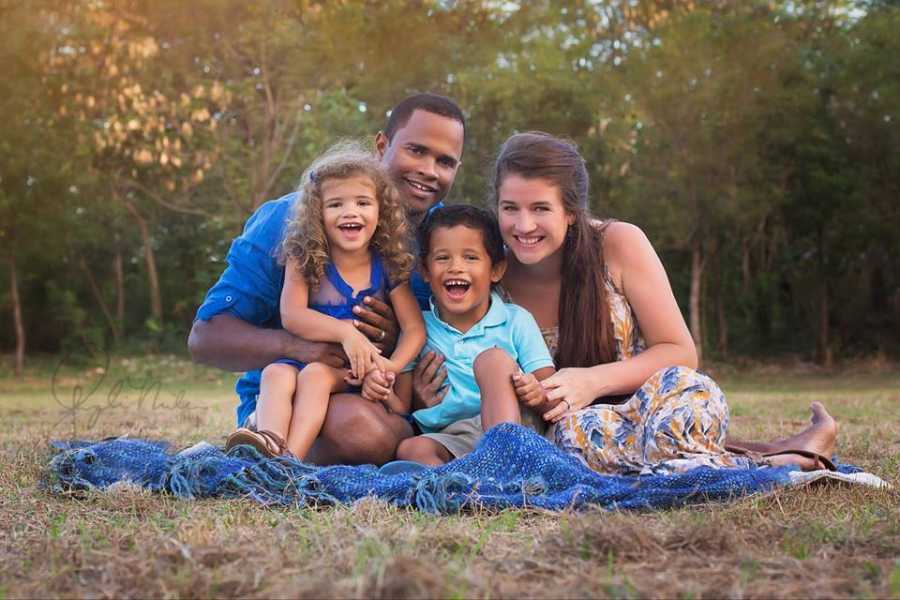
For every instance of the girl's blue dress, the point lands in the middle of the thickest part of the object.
(335, 297)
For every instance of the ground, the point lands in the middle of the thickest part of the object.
(821, 541)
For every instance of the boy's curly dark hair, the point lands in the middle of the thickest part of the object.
(472, 217)
(305, 238)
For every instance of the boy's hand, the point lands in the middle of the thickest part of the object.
(378, 385)
(528, 389)
(377, 322)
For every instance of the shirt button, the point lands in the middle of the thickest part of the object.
(227, 298)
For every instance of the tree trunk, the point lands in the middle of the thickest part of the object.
(745, 266)
(697, 261)
(721, 322)
(18, 325)
(150, 259)
(98, 296)
(826, 355)
(120, 287)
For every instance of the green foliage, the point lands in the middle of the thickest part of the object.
(764, 135)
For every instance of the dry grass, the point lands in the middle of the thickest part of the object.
(824, 541)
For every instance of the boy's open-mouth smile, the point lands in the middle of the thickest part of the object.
(457, 288)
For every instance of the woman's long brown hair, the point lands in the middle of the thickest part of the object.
(586, 336)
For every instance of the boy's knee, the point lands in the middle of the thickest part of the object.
(492, 362)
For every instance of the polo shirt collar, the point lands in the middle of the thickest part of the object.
(497, 314)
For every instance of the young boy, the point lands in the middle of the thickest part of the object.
(486, 343)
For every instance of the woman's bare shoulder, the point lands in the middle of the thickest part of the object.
(619, 236)
(624, 244)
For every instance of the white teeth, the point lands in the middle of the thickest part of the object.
(419, 186)
(529, 241)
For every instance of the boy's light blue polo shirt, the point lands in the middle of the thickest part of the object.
(250, 286)
(506, 326)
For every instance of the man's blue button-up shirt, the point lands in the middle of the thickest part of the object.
(250, 287)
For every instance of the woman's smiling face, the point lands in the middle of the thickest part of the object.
(532, 218)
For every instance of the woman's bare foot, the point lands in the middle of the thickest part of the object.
(819, 437)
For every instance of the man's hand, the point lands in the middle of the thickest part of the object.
(428, 380)
(377, 321)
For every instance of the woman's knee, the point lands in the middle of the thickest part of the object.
(678, 379)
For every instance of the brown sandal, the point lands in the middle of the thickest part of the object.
(268, 443)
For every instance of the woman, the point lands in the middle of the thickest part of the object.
(626, 398)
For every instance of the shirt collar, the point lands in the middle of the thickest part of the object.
(497, 314)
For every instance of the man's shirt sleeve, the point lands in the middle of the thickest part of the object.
(250, 286)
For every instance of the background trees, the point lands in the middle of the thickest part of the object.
(757, 145)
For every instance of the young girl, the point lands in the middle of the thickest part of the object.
(347, 239)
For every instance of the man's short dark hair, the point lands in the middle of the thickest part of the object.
(472, 217)
(433, 103)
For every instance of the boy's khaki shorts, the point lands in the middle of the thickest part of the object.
(461, 437)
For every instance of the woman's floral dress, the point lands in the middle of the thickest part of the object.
(676, 421)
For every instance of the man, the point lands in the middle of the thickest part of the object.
(238, 326)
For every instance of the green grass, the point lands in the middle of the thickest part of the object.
(823, 541)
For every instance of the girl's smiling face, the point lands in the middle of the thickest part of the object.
(533, 221)
(349, 212)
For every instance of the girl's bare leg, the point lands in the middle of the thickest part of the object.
(276, 392)
(314, 384)
(819, 437)
(494, 369)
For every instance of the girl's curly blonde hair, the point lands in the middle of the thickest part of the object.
(305, 238)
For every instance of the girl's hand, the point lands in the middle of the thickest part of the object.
(378, 385)
(360, 352)
(572, 388)
(528, 389)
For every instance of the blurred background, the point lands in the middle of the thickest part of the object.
(755, 142)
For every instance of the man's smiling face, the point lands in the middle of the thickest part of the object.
(423, 157)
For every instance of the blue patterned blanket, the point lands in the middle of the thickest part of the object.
(511, 467)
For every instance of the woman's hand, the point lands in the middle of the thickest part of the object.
(573, 388)
(428, 380)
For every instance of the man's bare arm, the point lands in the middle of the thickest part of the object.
(229, 343)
